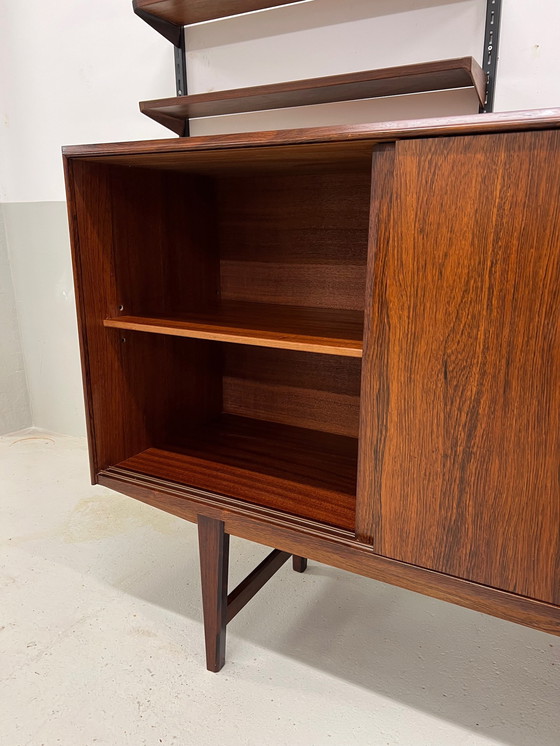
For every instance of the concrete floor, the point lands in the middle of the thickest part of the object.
(101, 638)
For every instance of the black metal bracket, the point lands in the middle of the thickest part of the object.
(181, 66)
(181, 74)
(176, 35)
(490, 51)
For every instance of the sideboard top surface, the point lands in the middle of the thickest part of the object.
(377, 132)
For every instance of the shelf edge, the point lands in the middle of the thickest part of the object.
(343, 348)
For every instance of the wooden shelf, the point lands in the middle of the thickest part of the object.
(331, 332)
(185, 12)
(391, 81)
(303, 472)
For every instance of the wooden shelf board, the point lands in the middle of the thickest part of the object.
(303, 472)
(185, 12)
(428, 76)
(331, 332)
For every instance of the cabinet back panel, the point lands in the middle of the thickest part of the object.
(319, 392)
(315, 285)
(462, 362)
(295, 238)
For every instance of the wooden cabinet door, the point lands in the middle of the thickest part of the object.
(460, 421)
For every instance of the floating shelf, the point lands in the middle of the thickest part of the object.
(331, 332)
(304, 472)
(185, 12)
(462, 72)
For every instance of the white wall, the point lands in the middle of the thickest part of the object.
(325, 37)
(71, 71)
(529, 62)
(74, 71)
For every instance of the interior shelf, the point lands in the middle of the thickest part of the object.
(462, 72)
(327, 331)
(304, 472)
(185, 12)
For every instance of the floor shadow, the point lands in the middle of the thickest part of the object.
(489, 676)
(481, 673)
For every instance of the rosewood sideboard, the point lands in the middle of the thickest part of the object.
(343, 343)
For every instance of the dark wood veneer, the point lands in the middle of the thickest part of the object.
(464, 357)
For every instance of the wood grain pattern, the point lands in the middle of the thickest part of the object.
(249, 586)
(391, 81)
(167, 152)
(328, 286)
(331, 373)
(261, 160)
(296, 237)
(298, 215)
(284, 327)
(292, 405)
(466, 338)
(159, 265)
(318, 392)
(213, 545)
(375, 385)
(331, 546)
(185, 12)
(298, 471)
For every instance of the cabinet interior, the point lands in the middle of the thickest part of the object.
(233, 319)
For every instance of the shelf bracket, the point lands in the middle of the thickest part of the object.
(490, 51)
(171, 31)
(219, 607)
(176, 35)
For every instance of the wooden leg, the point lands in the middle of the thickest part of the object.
(217, 606)
(213, 545)
(299, 563)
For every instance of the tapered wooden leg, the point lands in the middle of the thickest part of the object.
(299, 563)
(213, 545)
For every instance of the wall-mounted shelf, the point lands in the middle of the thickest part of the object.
(462, 72)
(180, 13)
(169, 17)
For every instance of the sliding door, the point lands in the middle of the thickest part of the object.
(460, 418)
